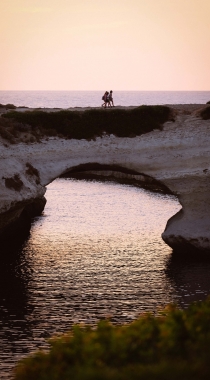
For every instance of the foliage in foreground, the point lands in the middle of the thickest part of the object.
(175, 344)
(91, 123)
(205, 113)
(13, 131)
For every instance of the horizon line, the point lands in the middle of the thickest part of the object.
(103, 90)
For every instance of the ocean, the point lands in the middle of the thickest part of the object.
(66, 99)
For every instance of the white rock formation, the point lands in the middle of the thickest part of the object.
(178, 156)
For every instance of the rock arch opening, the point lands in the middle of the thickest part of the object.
(117, 173)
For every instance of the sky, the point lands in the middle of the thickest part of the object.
(143, 45)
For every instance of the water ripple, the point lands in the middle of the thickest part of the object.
(95, 253)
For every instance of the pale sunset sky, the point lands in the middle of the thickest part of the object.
(97, 44)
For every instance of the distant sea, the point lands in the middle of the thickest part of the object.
(66, 99)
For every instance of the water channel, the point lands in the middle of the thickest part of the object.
(96, 252)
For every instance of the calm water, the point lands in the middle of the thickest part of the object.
(66, 99)
(96, 252)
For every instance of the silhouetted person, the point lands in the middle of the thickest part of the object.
(111, 100)
(106, 99)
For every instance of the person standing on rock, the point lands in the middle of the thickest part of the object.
(111, 100)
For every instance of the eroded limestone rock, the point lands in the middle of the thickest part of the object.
(177, 156)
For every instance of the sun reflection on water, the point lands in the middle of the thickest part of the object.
(96, 252)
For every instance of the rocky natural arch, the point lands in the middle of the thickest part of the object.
(176, 156)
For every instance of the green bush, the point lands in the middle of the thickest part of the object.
(205, 113)
(6, 135)
(14, 131)
(174, 344)
(95, 122)
(8, 106)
